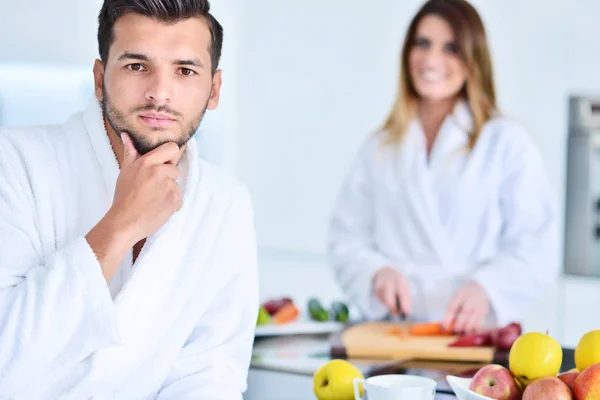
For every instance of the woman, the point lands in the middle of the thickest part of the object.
(448, 207)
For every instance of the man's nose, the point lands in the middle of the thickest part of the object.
(160, 89)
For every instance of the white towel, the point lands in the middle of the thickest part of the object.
(182, 324)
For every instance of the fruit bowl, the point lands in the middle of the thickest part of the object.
(460, 386)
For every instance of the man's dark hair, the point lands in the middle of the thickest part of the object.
(167, 11)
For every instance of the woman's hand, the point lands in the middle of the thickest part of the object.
(388, 285)
(468, 309)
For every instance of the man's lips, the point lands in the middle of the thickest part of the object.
(157, 119)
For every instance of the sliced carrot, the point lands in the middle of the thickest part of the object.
(430, 329)
(395, 331)
(285, 314)
(425, 329)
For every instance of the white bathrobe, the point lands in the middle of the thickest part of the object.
(488, 216)
(177, 324)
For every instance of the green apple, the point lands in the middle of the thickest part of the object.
(335, 380)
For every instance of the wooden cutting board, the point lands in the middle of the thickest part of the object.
(373, 340)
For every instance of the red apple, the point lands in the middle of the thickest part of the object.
(587, 384)
(569, 378)
(549, 387)
(495, 382)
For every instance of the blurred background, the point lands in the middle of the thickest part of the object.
(304, 82)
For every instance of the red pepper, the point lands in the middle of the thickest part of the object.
(474, 340)
(502, 338)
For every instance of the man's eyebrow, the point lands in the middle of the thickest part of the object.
(134, 56)
(141, 57)
(192, 61)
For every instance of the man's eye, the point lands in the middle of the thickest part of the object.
(135, 67)
(186, 72)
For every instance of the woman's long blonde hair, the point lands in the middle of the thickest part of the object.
(473, 50)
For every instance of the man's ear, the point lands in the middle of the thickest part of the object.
(215, 91)
(98, 78)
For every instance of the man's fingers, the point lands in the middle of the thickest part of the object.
(130, 154)
(162, 154)
(170, 171)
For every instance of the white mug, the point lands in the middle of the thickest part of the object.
(396, 387)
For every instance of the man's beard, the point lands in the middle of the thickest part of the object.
(143, 145)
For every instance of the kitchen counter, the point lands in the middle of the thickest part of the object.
(282, 367)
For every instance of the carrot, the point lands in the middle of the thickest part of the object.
(285, 314)
(395, 331)
(426, 329)
(430, 329)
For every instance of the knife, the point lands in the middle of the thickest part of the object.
(399, 316)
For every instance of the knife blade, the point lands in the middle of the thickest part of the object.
(399, 315)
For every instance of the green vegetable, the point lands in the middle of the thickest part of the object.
(340, 311)
(264, 318)
(316, 310)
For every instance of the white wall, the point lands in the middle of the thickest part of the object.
(218, 133)
(34, 94)
(317, 77)
(55, 32)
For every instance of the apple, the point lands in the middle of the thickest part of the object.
(548, 387)
(334, 380)
(569, 378)
(495, 382)
(587, 384)
(534, 355)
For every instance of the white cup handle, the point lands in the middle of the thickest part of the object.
(357, 395)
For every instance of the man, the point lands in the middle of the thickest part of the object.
(128, 264)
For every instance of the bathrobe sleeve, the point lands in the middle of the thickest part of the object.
(352, 253)
(214, 363)
(55, 309)
(528, 260)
